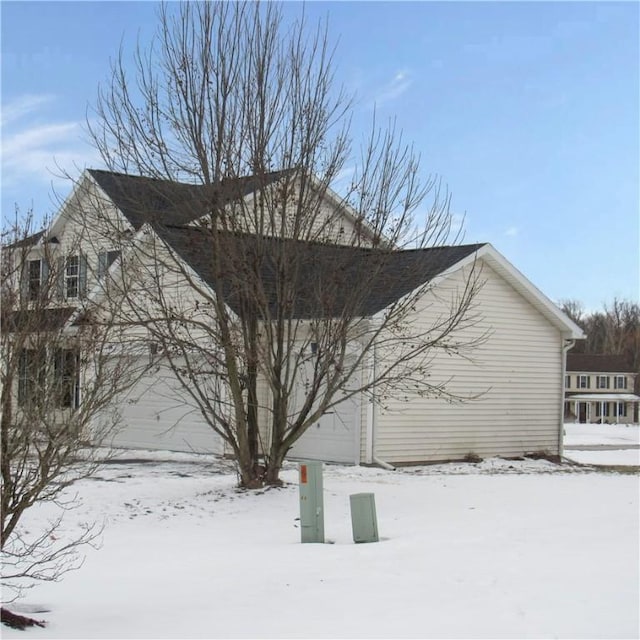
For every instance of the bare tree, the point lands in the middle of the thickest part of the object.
(267, 295)
(573, 309)
(59, 375)
(614, 330)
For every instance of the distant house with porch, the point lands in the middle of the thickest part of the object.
(599, 388)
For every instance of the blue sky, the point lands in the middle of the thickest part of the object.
(528, 111)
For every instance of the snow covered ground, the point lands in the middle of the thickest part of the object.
(498, 549)
(615, 442)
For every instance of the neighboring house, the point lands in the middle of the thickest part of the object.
(515, 374)
(599, 388)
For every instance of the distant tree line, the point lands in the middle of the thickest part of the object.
(615, 330)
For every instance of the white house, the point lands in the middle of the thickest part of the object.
(513, 379)
(600, 388)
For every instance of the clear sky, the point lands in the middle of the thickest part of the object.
(529, 112)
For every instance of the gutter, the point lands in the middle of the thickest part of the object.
(371, 457)
(568, 345)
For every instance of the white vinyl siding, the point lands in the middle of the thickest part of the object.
(517, 370)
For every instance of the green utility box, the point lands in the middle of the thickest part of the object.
(363, 517)
(311, 502)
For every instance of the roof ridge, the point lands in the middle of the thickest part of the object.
(186, 184)
(248, 234)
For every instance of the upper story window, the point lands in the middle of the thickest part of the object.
(620, 382)
(602, 382)
(567, 382)
(73, 277)
(34, 279)
(583, 382)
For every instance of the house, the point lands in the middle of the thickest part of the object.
(512, 380)
(599, 388)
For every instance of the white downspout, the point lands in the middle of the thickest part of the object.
(371, 457)
(565, 349)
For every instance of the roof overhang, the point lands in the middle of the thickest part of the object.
(604, 397)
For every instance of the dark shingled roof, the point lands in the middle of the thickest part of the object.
(597, 363)
(36, 320)
(27, 241)
(328, 280)
(143, 199)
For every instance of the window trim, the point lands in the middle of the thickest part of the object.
(45, 375)
(66, 379)
(34, 283)
(616, 382)
(31, 376)
(71, 277)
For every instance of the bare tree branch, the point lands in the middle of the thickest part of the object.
(267, 294)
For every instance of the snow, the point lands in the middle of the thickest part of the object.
(616, 457)
(498, 549)
(606, 437)
(601, 434)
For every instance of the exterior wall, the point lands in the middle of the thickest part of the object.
(87, 225)
(590, 382)
(325, 221)
(517, 371)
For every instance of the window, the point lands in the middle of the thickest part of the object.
(34, 278)
(622, 409)
(31, 376)
(66, 378)
(59, 386)
(584, 382)
(602, 409)
(105, 260)
(71, 277)
(620, 382)
(567, 382)
(602, 382)
(74, 276)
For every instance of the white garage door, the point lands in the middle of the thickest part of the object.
(157, 414)
(334, 438)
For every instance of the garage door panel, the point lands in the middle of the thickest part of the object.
(334, 438)
(157, 414)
